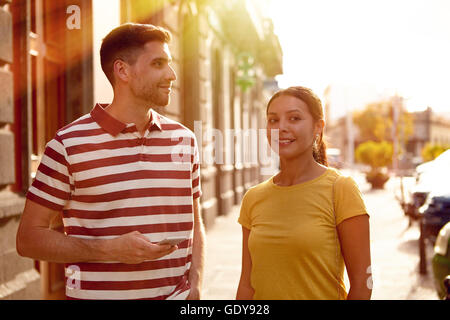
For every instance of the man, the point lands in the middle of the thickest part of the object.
(124, 178)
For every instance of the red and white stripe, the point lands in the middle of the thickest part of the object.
(108, 182)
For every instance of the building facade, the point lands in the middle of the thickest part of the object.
(428, 128)
(50, 76)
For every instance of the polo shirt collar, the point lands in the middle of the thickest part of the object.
(155, 120)
(114, 126)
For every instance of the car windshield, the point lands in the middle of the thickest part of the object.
(434, 176)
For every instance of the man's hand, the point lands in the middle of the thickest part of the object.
(134, 248)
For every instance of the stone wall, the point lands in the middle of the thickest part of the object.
(18, 278)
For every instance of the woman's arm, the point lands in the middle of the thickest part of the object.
(355, 246)
(245, 290)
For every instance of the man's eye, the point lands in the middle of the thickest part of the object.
(295, 118)
(272, 120)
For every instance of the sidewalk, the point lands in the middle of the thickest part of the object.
(395, 250)
(223, 258)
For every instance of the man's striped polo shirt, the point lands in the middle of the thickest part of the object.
(108, 180)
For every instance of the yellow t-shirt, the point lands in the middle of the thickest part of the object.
(293, 240)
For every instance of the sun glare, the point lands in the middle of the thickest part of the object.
(366, 49)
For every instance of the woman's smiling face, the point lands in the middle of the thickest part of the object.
(295, 125)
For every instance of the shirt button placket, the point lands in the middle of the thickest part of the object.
(141, 153)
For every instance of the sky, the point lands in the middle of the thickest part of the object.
(366, 50)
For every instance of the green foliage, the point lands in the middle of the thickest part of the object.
(245, 76)
(375, 122)
(431, 151)
(375, 154)
(372, 122)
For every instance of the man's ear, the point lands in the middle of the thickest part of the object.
(121, 70)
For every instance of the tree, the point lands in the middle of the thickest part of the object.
(371, 121)
(375, 122)
(431, 151)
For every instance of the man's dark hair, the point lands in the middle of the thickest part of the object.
(125, 43)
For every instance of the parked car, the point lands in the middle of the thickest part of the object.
(431, 177)
(435, 213)
(441, 262)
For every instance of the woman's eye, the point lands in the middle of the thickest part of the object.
(295, 118)
(272, 120)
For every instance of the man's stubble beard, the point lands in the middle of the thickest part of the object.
(151, 96)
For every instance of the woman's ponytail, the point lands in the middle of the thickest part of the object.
(320, 151)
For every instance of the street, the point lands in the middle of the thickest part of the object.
(394, 251)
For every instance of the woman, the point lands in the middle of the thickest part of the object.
(302, 225)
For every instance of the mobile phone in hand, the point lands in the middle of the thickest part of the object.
(172, 240)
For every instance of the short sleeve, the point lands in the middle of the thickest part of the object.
(52, 184)
(348, 199)
(244, 215)
(196, 184)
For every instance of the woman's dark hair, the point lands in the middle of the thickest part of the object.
(315, 109)
(125, 42)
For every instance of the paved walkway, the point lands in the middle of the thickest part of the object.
(223, 258)
(394, 251)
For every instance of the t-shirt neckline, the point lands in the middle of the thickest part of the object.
(301, 184)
